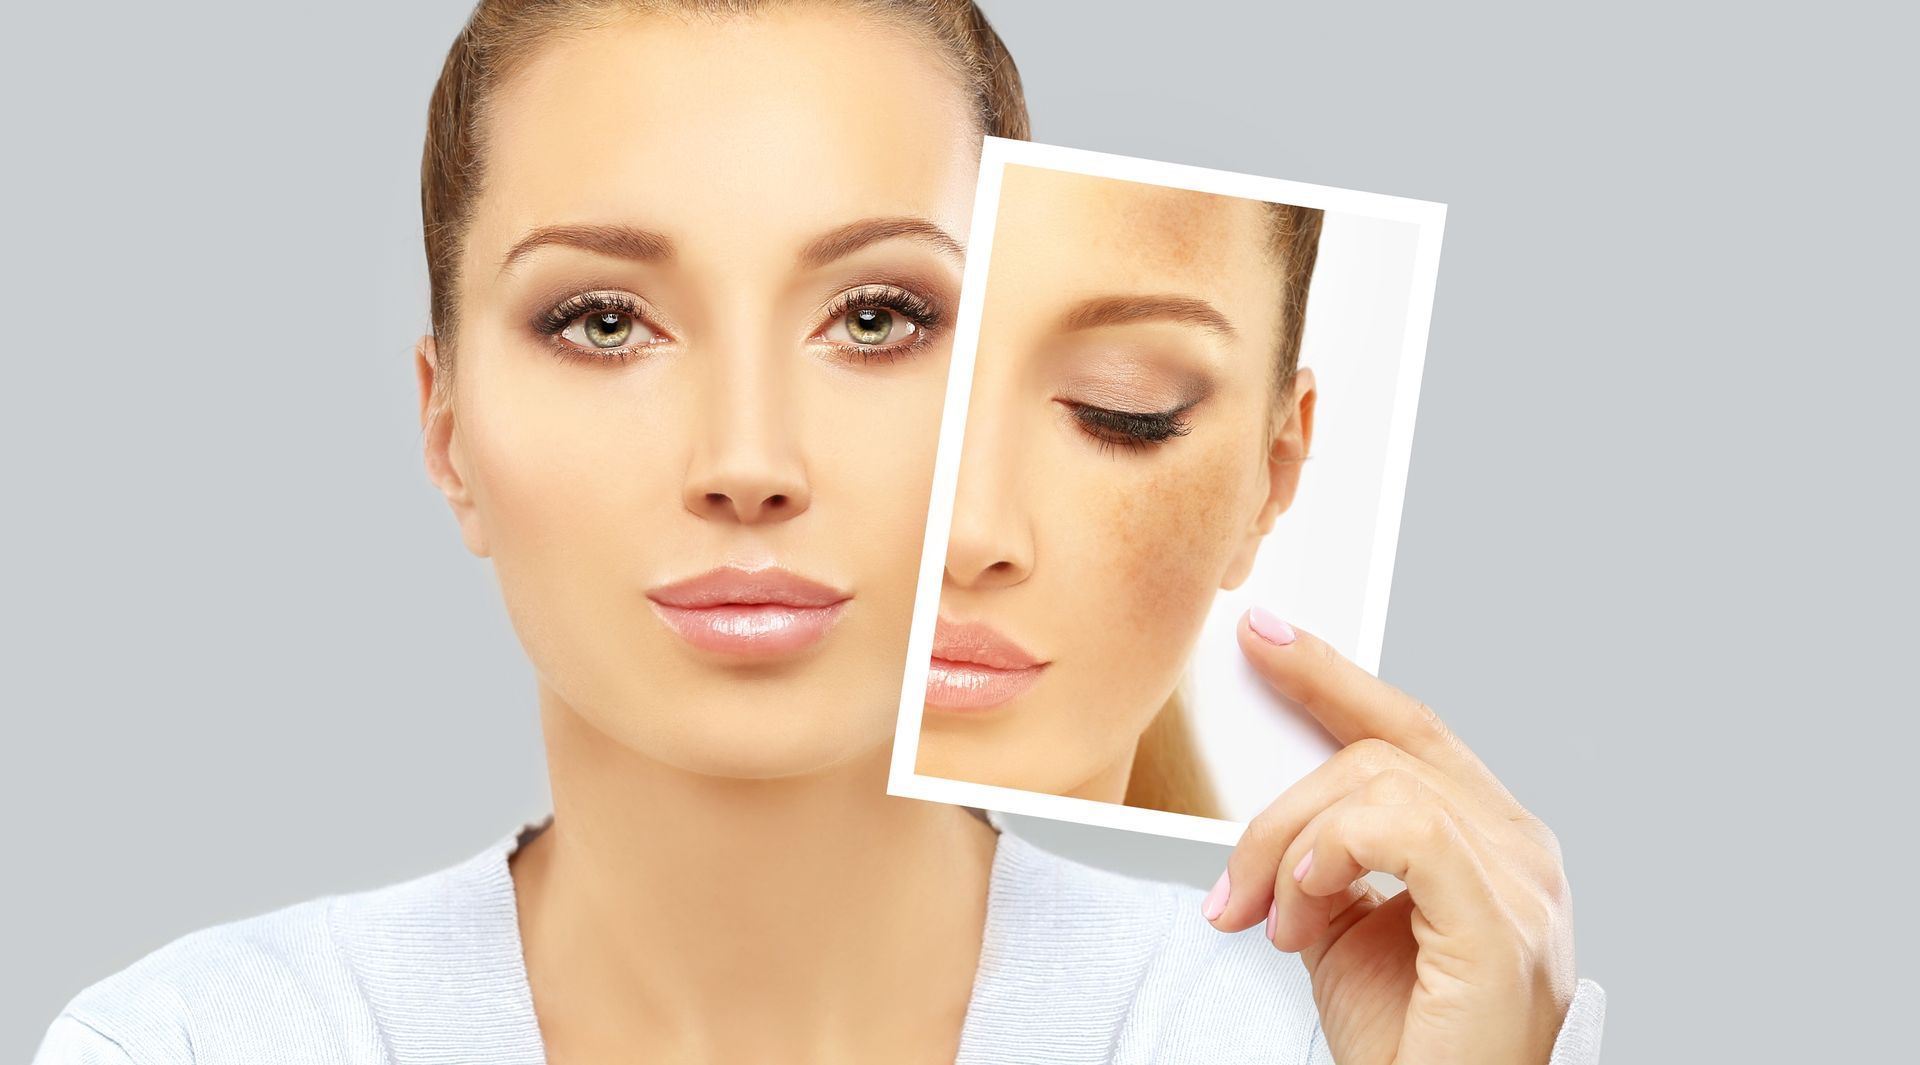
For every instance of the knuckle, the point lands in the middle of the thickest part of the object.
(1432, 825)
(1371, 755)
(1544, 857)
(1550, 844)
(1395, 785)
(1264, 829)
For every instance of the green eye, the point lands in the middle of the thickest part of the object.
(878, 323)
(608, 329)
(869, 325)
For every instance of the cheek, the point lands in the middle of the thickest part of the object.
(1152, 544)
(1171, 533)
(565, 468)
(870, 465)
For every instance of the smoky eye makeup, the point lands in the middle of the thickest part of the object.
(599, 325)
(873, 322)
(1133, 407)
(1131, 430)
(879, 322)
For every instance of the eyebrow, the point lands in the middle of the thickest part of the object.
(1122, 310)
(645, 245)
(845, 240)
(615, 239)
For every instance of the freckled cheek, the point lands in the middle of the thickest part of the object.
(1165, 541)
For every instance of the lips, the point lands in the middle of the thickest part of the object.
(749, 612)
(974, 666)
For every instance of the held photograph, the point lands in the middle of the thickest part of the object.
(1187, 394)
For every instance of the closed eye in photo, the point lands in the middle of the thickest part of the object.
(1130, 429)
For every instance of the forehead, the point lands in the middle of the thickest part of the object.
(1061, 238)
(1130, 235)
(780, 123)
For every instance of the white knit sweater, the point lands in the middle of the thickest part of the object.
(1079, 965)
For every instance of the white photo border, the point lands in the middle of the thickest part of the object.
(995, 155)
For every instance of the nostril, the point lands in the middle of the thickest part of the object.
(776, 501)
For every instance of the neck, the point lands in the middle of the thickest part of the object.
(662, 907)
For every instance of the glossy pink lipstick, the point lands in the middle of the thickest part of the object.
(735, 611)
(975, 667)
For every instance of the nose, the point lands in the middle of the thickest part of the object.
(991, 542)
(747, 465)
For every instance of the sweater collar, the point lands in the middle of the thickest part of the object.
(441, 962)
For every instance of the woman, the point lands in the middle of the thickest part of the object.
(1137, 423)
(692, 266)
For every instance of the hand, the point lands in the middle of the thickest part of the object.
(1474, 961)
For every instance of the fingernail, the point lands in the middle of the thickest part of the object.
(1269, 627)
(1216, 903)
(1273, 909)
(1306, 863)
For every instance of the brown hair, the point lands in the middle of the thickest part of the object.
(1293, 242)
(1168, 773)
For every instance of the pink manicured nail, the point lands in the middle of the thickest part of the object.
(1273, 911)
(1306, 863)
(1216, 903)
(1269, 627)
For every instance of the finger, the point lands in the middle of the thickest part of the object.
(1268, 835)
(1358, 900)
(1353, 704)
(1420, 843)
(1300, 914)
(1393, 937)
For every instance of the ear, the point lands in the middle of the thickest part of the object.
(1289, 448)
(441, 445)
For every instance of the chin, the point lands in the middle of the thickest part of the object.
(751, 732)
(952, 759)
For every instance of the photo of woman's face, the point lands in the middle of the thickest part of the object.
(702, 326)
(1124, 454)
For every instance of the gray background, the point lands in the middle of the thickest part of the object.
(1655, 564)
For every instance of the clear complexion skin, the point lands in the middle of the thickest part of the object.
(1093, 539)
(745, 374)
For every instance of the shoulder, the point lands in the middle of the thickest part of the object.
(1174, 988)
(285, 986)
(183, 1001)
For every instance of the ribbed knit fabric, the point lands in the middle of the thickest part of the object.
(1078, 965)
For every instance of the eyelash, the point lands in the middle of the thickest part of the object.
(570, 310)
(1132, 430)
(923, 313)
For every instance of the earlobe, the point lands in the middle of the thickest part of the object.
(1286, 452)
(440, 445)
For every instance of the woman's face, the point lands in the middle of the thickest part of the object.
(703, 331)
(1119, 468)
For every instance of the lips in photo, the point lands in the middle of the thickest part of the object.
(749, 612)
(975, 666)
